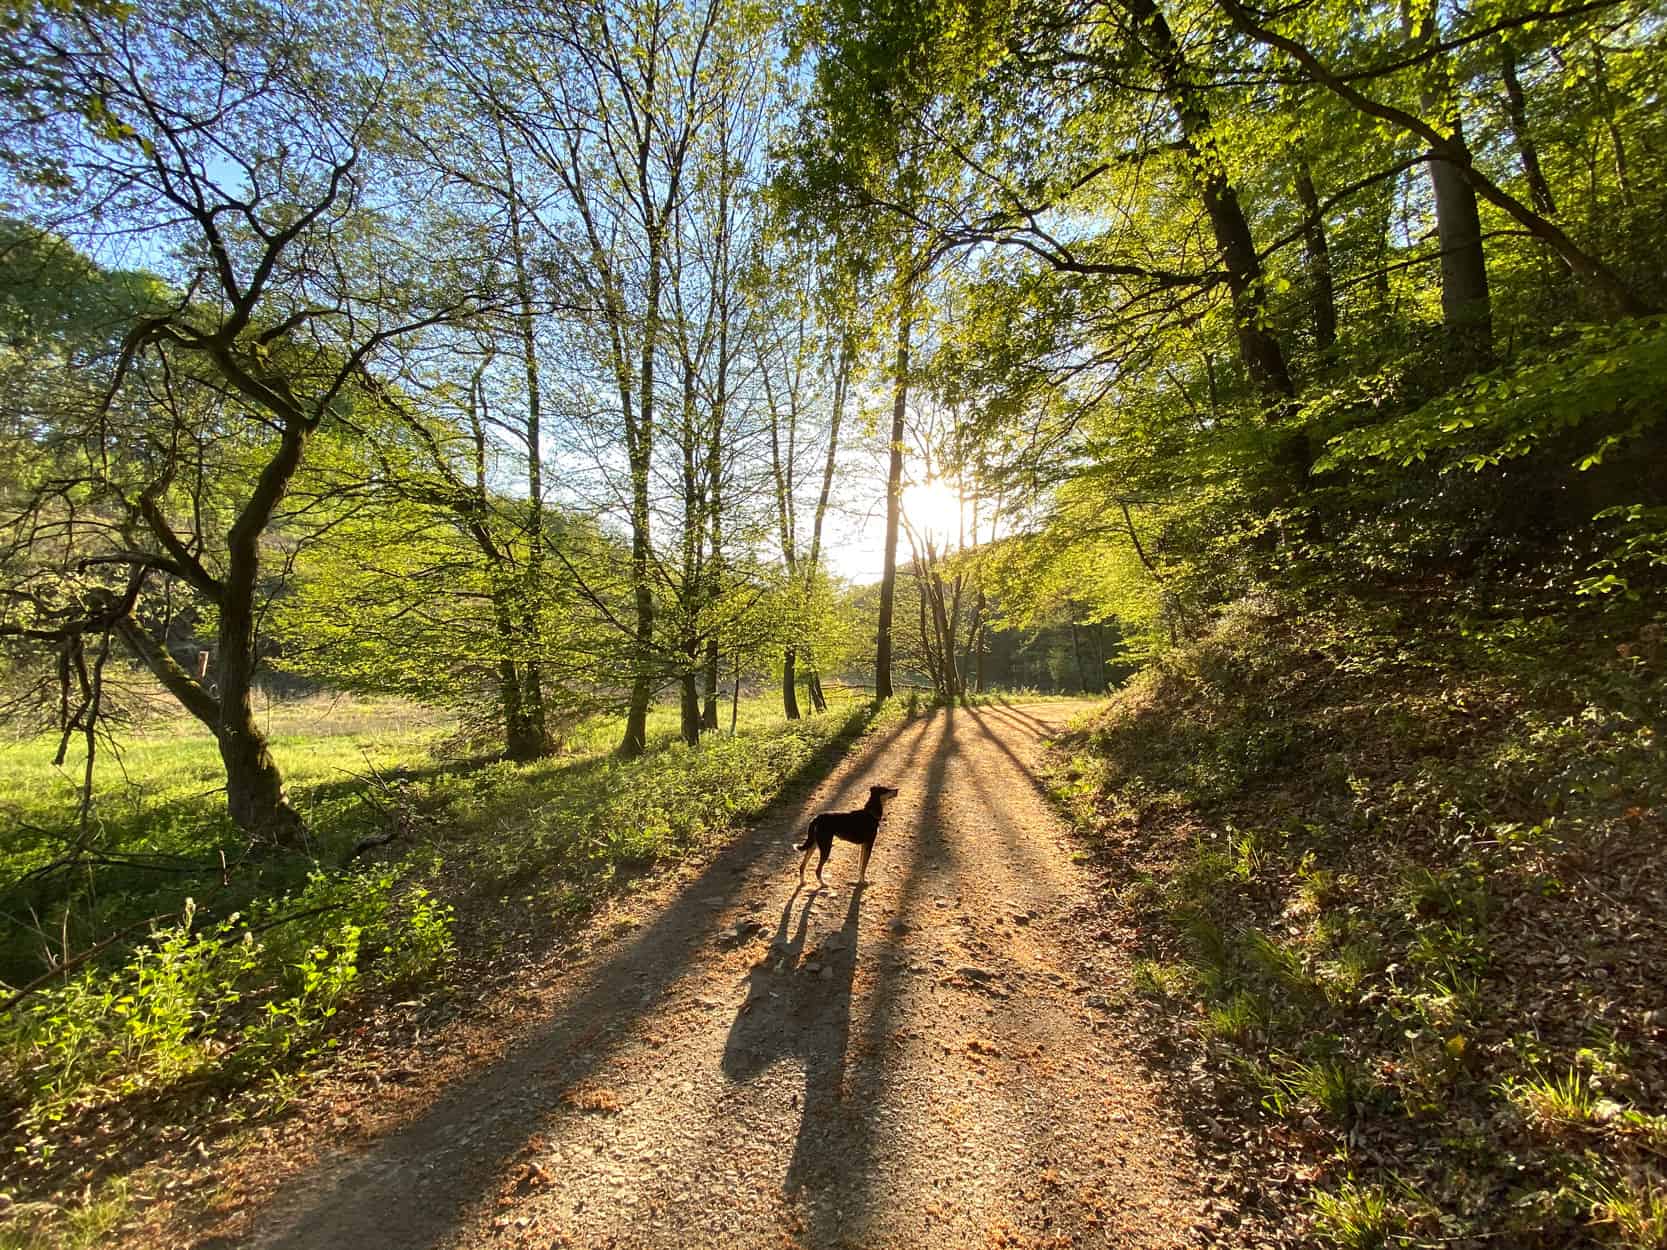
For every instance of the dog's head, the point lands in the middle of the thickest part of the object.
(881, 794)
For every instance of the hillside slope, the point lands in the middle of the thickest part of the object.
(1395, 871)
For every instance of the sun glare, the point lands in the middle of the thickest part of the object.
(933, 507)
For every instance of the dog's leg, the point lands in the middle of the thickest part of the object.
(803, 860)
(862, 867)
(825, 847)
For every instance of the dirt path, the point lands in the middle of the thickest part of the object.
(931, 1062)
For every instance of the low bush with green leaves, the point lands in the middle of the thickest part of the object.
(235, 997)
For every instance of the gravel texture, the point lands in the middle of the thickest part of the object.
(934, 1061)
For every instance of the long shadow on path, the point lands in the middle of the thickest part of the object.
(415, 1186)
(835, 1153)
(792, 1011)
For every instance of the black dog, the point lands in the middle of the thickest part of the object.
(861, 826)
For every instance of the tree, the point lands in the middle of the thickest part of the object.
(238, 150)
(609, 104)
(1446, 145)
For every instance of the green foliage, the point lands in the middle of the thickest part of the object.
(1356, 1217)
(1639, 554)
(238, 996)
(572, 829)
(1606, 381)
(247, 998)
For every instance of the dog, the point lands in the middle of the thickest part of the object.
(861, 826)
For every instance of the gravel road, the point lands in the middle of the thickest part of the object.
(933, 1061)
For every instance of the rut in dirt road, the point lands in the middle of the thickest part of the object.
(926, 1062)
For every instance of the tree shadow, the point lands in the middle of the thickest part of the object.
(1021, 719)
(835, 1149)
(1028, 725)
(413, 1186)
(758, 1038)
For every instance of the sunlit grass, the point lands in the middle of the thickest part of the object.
(159, 798)
(1634, 1211)
(160, 787)
(493, 847)
(1555, 1105)
(82, 1226)
(1355, 1217)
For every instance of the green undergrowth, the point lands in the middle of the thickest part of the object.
(232, 972)
(554, 836)
(1399, 873)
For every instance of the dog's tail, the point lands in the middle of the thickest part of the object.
(810, 836)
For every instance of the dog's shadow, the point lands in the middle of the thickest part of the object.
(799, 1004)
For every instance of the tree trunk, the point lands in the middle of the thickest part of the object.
(694, 588)
(523, 730)
(639, 446)
(1259, 348)
(1606, 101)
(1516, 109)
(635, 741)
(523, 735)
(735, 695)
(782, 470)
(532, 735)
(255, 794)
(894, 500)
(1382, 210)
(690, 704)
(254, 787)
(925, 638)
(709, 715)
(842, 378)
(789, 684)
(714, 582)
(1322, 297)
(1466, 308)
(943, 625)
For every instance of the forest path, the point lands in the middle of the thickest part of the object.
(933, 1061)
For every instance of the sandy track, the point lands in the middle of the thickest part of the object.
(928, 1062)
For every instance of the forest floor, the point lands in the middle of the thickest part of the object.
(937, 1060)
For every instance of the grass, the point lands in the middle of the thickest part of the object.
(82, 1225)
(242, 967)
(1634, 1211)
(1400, 876)
(1554, 1105)
(1355, 1217)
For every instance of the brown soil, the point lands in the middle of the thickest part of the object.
(935, 1061)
